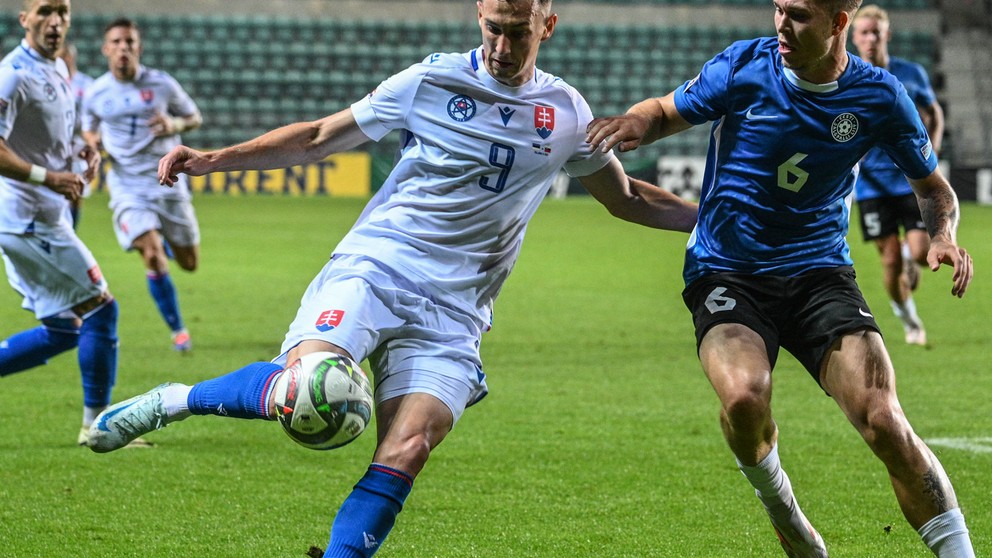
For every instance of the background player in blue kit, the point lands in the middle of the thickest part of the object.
(46, 263)
(413, 283)
(137, 114)
(885, 198)
(768, 265)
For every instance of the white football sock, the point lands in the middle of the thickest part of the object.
(947, 535)
(773, 488)
(174, 399)
(906, 311)
(90, 414)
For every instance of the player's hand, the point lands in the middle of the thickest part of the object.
(92, 158)
(69, 184)
(180, 159)
(162, 125)
(627, 131)
(948, 253)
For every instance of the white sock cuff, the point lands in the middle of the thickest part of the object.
(174, 399)
(945, 526)
(768, 464)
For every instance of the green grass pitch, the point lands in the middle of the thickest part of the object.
(599, 437)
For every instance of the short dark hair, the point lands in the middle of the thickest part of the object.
(122, 22)
(849, 6)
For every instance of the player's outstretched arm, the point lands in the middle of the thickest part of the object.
(940, 211)
(639, 202)
(295, 144)
(643, 123)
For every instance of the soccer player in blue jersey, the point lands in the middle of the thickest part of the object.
(137, 114)
(411, 286)
(885, 198)
(46, 263)
(767, 265)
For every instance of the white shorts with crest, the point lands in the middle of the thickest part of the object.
(51, 268)
(140, 204)
(413, 344)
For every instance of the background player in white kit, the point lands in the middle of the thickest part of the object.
(79, 82)
(137, 113)
(46, 263)
(411, 286)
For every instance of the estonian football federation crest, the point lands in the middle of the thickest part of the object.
(844, 127)
(461, 108)
(147, 95)
(544, 120)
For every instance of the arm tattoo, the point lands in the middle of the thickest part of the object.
(940, 212)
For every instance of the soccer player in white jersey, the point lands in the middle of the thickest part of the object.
(768, 266)
(137, 113)
(79, 82)
(46, 263)
(411, 286)
(885, 198)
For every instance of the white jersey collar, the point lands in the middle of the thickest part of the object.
(478, 60)
(35, 54)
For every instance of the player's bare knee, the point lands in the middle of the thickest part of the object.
(188, 263)
(887, 431)
(407, 453)
(746, 407)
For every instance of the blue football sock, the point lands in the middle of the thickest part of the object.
(243, 393)
(98, 354)
(368, 514)
(34, 347)
(164, 293)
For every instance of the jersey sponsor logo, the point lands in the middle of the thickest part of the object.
(147, 95)
(865, 314)
(505, 113)
(544, 120)
(461, 108)
(752, 116)
(329, 319)
(844, 127)
(435, 57)
(925, 150)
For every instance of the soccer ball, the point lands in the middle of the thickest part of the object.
(323, 400)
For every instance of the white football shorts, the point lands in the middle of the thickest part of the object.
(140, 204)
(413, 344)
(175, 219)
(52, 269)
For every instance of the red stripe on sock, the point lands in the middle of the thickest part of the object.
(264, 403)
(393, 472)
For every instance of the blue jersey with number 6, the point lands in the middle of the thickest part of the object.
(783, 157)
(476, 159)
